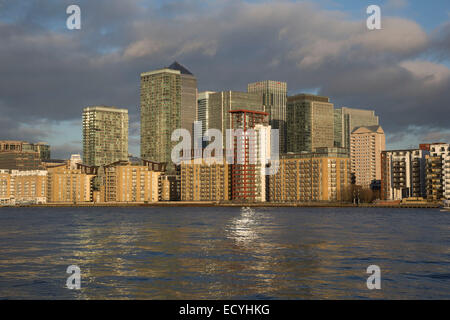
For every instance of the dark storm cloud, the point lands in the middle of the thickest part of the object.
(48, 72)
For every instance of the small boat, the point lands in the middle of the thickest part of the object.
(446, 206)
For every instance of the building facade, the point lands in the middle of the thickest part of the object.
(307, 177)
(274, 96)
(221, 103)
(6, 197)
(105, 135)
(205, 180)
(168, 102)
(438, 172)
(310, 123)
(403, 174)
(29, 187)
(348, 119)
(22, 155)
(366, 145)
(251, 151)
(126, 182)
(69, 184)
(203, 110)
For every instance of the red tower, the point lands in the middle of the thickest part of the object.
(244, 172)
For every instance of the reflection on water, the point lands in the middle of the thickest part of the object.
(214, 253)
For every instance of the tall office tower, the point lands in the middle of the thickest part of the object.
(105, 135)
(274, 95)
(323, 175)
(168, 102)
(310, 123)
(221, 103)
(203, 110)
(251, 153)
(348, 119)
(403, 174)
(438, 172)
(366, 145)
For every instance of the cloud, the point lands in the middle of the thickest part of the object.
(49, 74)
(396, 4)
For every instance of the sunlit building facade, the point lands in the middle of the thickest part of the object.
(366, 145)
(105, 135)
(403, 174)
(307, 177)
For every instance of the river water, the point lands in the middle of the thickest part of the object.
(224, 253)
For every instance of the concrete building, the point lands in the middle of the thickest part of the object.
(69, 183)
(347, 120)
(438, 172)
(310, 123)
(123, 181)
(168, 102)
(274, 96)
(306, 177)
(403, 174)
(208, 180)
(220, 103)
(105, 135)
(366, 145)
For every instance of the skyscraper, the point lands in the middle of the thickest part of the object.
(203, 110)
(366, 145)
(220, 103)
(274, 95)
(310, 123)
(347, 120)
(168, 102)
(105, 135)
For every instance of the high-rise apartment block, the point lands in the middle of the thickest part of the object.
(307, 177)
(251, 147)
(438, 172)
(168, 102)
(220, 103)
(366, 145)
(310, 123)
(274, 96)
(403, 174)
(105, 135)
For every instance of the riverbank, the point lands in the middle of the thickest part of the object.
(233, 204)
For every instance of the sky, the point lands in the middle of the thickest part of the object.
(48, 73)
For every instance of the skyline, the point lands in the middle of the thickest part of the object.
(402, 72)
